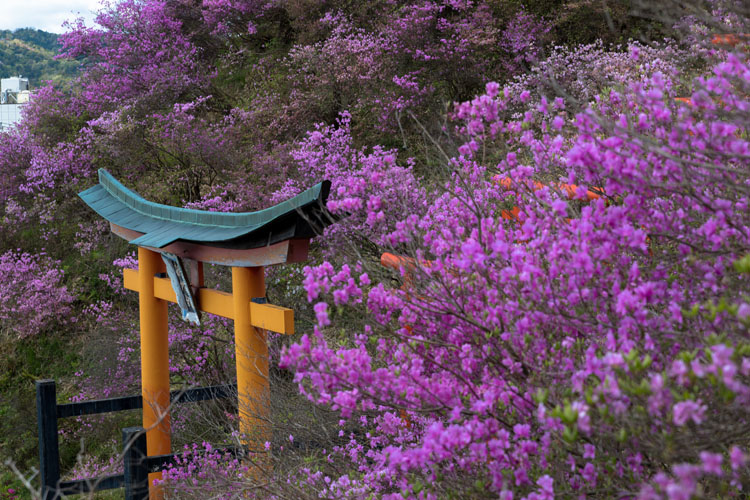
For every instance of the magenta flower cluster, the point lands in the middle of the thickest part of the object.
(370, 189)
(33, 297)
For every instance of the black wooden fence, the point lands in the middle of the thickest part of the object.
(136, 463)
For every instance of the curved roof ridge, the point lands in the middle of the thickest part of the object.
(302, 216)
(194, 216)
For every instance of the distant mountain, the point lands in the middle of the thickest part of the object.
(30, 53)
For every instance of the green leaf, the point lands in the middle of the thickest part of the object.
(569, 415)
(570, 435)
(622, 435)
(742, 265)
(541, 395)
(647, 361)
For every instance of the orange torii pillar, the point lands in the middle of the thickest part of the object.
(154, 360)
(251, 353)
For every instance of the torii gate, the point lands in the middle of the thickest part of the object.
(180, 240)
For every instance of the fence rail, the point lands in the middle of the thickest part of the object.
(78, 486)
(136, 463)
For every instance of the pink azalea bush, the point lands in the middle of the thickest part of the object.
(33, 297)
(202, 470)
(369, 190)
(591, 69)
(594, 349)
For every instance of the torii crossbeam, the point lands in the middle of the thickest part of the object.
(245, 241)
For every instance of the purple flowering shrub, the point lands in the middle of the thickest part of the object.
(14, 156)
(201, 470)
(418, 57)
(586, 71)
(584, 349)
(370, 189)
(521, 39)
(139, 54)
(33, 297)
(188, 147)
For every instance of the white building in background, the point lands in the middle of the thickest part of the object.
(14, 94)
(10, 114)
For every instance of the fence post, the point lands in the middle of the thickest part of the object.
(49, 453)
(135, 471)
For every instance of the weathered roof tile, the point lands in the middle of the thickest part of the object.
(302, 216)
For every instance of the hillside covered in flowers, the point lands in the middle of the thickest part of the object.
(564, 188)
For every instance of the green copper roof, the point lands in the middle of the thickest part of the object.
(303, 216)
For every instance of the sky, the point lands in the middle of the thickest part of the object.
(47, 15)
